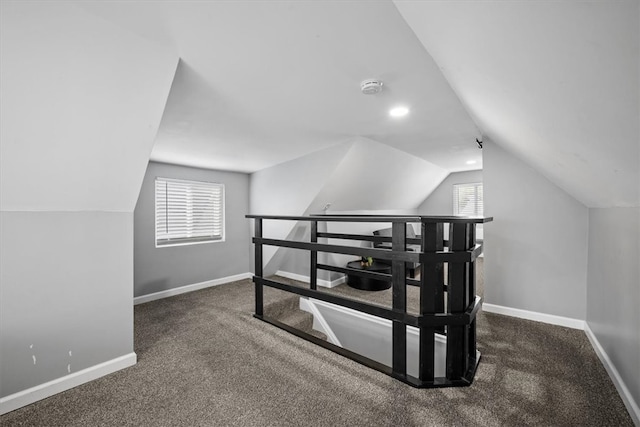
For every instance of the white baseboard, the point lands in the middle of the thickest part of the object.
(306, 279)
(625, 394)
(42, 391)
(535, 316)
(190, 288)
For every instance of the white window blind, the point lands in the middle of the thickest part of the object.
(467, 199)
(188, 212)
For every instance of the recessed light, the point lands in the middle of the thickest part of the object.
(398, 111)
(472, 162)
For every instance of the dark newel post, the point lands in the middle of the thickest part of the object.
(398, 273)
(471, 271)
(258, 266)
(313, 276)
(431, 295)
(457, 302)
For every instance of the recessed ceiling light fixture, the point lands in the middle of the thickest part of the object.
(472, 162)
(399, 112)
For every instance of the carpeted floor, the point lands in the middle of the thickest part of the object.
(203, 360)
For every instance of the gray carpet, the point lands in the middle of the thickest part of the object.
(203, 360)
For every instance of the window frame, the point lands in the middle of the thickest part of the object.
(186, 241)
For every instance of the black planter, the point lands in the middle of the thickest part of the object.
(366, 283)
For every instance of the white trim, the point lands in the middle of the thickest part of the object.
(319, 321)
(623, 391)
(173, 245)
(190, 288)
(306, 279)
(353, 325)
(360, 315)
(535, 316)
(42, 391)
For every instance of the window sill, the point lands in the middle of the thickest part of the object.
(172, 245)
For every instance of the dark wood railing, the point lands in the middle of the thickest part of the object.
(457, 320)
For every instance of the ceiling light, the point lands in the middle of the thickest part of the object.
(472, 162)
(398, 111)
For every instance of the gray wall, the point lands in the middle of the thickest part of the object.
(536, 248)
(66, 286)
(343, 177)
(79, 116)
(440, 201)
(613, 290)
(160, 269)
(298, 261)
(289, 188)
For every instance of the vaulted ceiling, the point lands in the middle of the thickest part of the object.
(557, 84)
(260, 83)
(80, 107)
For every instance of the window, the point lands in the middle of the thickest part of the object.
(188, 212)
(467, 199)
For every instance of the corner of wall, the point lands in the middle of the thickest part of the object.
(537, 244)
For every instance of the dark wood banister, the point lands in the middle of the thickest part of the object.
(459, 318)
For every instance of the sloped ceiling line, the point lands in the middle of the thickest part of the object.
(554, 83)
(74, 106)
(268, 82)
(361, 175)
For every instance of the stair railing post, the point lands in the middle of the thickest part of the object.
(313, 276)
(258, 266)
(457, 302)
(431, 295)
(399, 304)
(471, 296)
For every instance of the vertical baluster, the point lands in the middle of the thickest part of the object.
(398, 273)
(258, 266)
(457, 302)
(431, 296)
(471, 339)
(313, 276)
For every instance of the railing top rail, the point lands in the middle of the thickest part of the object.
(376, 218)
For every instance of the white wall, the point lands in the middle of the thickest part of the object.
(81, 103)
(536, 247)
(555, 82)
(613, 291)
(363, 176)
(161, 269)
(299, 262)
(288, 189)
(376, 177)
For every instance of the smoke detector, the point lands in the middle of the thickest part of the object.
(371, 86)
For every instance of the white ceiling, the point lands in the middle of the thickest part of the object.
(78, 97)
(261, 83)
(556, 83)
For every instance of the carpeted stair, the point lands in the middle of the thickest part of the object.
(287, 310)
